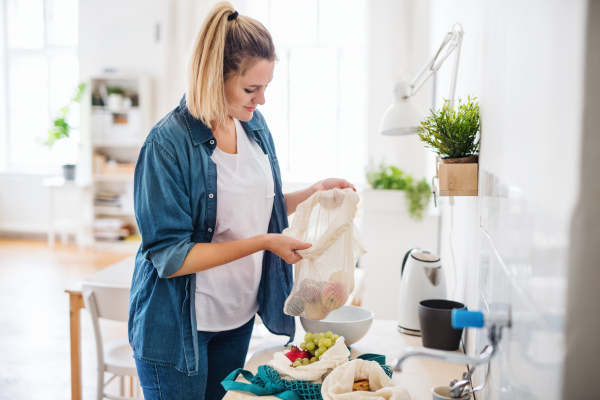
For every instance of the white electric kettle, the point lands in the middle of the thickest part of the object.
(421, 278)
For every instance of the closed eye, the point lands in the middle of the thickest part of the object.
(252, 91)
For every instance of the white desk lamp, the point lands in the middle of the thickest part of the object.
(403, 117)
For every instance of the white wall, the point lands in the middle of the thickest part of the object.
(398, 43)
(524, 61)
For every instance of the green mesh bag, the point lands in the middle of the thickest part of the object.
(267, 382)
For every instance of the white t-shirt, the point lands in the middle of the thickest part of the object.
(226, 296)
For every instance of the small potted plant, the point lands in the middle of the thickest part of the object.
(388, 177)
(452, 134)
(115, 98)
(60, 129)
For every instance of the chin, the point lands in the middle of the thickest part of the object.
(246, 116)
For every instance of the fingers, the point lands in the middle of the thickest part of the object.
(294, 259)
(349, 185)
(303, 246)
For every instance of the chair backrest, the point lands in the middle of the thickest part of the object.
(109, 302)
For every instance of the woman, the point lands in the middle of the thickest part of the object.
(210, 210)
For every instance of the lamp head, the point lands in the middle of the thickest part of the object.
(402, 117)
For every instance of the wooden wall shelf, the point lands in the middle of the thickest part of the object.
(457, 179)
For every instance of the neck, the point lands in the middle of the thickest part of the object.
(223, 128)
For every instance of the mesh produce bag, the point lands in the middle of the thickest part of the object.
(324, 278)
(268, 382)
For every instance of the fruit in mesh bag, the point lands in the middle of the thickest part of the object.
(315, 311)
(342, 276)
(295, 305)
(334, 295)
(310, 291)
(317, 344)
(296, 353)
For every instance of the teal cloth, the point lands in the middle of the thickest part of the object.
(267, 382)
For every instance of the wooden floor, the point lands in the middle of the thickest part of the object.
(34, 319)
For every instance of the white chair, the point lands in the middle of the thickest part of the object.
(116, 356)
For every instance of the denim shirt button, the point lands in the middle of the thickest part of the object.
(212, 142)
(211, 195)
(210, 229)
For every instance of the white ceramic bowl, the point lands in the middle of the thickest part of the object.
(351, 322)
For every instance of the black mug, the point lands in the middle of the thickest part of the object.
(435, 318)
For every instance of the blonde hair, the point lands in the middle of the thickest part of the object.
(222, 50)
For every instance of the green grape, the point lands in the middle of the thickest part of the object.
(317, 354)
(312, 352)
(322, 349)
(335, 337)
(317, 357)
(321, 334)
(297, 363)
(329, 334)
(303, 346)
(309, 337)
(327, 343)
(310, 346)
(305, 361)
(313, 359)
(298, 359)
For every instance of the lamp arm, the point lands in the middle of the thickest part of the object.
(421, 78)
(453, 41)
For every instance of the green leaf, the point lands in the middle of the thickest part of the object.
(59, 128)
(393, 178)
(452, 133)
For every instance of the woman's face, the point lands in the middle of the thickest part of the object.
(244, 93)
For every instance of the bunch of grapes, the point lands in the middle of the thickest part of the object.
(316, 344)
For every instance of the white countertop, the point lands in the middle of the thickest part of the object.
(418, 375)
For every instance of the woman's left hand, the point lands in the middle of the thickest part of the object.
(332, 183)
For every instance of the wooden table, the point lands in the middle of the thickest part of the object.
(117, 275)
(418, 376)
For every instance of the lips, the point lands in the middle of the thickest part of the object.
(250, 108)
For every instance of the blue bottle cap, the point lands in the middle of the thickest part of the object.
(467, 319)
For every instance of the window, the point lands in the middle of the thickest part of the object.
(316, 104)
(41, 71)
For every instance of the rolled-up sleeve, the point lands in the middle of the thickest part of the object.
(162, 209)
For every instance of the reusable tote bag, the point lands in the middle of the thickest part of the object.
(324, 278)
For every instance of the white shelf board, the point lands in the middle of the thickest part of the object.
(113, 178)
(108, 210)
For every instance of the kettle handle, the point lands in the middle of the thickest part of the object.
(406, 258)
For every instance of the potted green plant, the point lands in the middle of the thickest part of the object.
(452, 133)
(115, 98)
(389, 177)
(60, 128)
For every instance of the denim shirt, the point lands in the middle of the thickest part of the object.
(175, 200)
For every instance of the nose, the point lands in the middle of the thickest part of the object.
(260, 98)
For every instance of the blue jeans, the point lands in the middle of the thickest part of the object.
(220, 353)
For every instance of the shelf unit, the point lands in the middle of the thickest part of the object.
(116, 136)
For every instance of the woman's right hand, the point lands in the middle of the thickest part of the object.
(285, 247)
